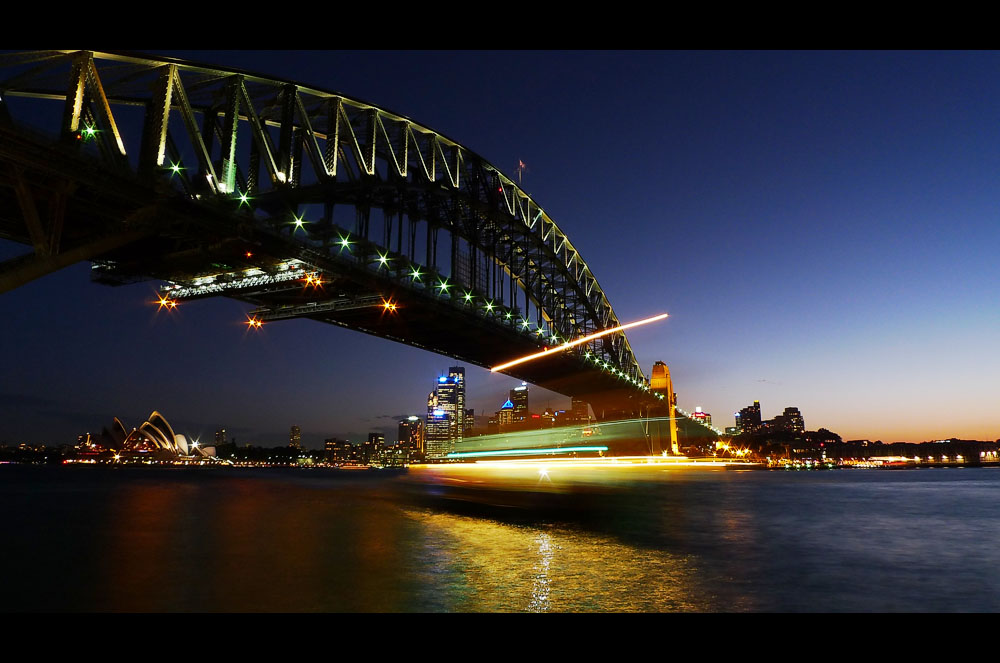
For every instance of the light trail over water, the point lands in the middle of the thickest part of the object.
(579, 341)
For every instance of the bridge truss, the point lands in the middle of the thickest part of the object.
(300, 201)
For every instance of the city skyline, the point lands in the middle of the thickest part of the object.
(817, 225)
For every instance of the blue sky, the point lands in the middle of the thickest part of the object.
(821, 227)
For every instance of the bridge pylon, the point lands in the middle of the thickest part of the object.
(663, 416)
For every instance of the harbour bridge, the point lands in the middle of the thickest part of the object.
(302, 202)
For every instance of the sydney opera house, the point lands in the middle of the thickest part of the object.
(155, 437)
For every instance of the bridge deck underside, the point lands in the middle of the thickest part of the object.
(168, 249)
(96, 186)
(439, 327)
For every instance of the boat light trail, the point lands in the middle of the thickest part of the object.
(570, 344)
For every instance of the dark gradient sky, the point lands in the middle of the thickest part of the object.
(822, 228)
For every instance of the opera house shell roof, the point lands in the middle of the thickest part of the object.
(154, 434)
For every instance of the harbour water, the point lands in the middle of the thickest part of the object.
(136, 539)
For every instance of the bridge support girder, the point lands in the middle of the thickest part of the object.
(23, 269)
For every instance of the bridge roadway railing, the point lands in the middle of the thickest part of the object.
(292, 158)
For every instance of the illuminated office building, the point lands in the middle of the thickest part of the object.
(437, 430)
(371, 448)
(795, 421)
(519, 401)
(469, 423)
(505, 415)
(579, 411)
(446, 414)
(295, 438)
(701, 417)
(748, 419)
(791, 420)
(411, 436)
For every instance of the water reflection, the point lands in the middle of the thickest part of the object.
(501, 567)
(541, 587)
(137, 540)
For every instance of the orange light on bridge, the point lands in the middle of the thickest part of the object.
(579, 341)
(166, 302)
(254, 323)
(389, 305)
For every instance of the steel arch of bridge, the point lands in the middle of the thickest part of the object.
(277, 161)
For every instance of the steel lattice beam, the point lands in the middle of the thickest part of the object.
(355, 155)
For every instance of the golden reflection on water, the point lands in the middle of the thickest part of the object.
(500, 567)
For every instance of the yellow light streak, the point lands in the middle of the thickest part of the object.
(579, 341)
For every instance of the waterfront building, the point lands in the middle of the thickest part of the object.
(371, 448)
(411, 436)
(469, 423)
(456, 377)
(295, 438)
(701, 417)
(437, 431)
(338, 451)
(155, 436)
(446, 413)
(579, 412)
(796, 423)
(220, 436)
(790, 421)
(505, 415)
(748, 420)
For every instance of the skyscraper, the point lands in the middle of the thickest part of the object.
(456, 374)
(295, 438)
(437, 430)
(411, 437)
(470, 422)
(579, 411)
(446, 413)
(505, 415)
(519, 399)
(371, 448)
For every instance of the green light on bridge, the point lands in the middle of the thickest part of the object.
(416, 274)
(443, 286)
(345, 243)
(524, 452)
